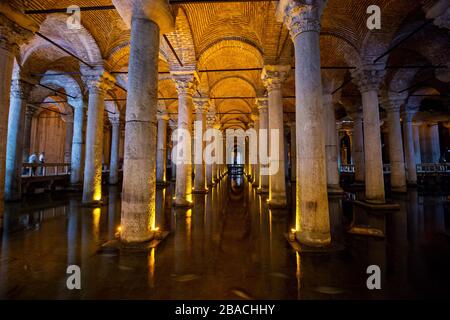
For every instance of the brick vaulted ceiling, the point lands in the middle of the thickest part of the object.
(243, 35)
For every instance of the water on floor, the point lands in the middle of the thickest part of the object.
(228, 246)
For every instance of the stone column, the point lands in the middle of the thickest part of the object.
(201, 108)
(312, 216)
(68, 139)
(256, 173)
(12, 35)
(27, 134)
(97, 83)
(161, 148)
(396, 156)
(331, 145)
(263, 124)
(417, 154)
(273, 77)
(185, 84)
(13, 180)
(293, 151)
(78, 147)
(210, 120)
(114, 158)
(435, 148)
(138, 215)
(408, 135)
(173, 126)
(358, 146)
(368, 79)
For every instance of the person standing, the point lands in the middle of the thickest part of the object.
(33, 160)
(41, 162)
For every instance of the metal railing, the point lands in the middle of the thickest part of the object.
(45, 169)
(422, 168)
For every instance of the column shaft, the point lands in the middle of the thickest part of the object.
(263, 124)
(331, 148)
(161, 149)
(139, 173)
(78, 147)
(114, 159)
(408, 134)
(398, 178)
(68, 141)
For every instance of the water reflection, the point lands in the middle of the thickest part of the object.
(228, 245)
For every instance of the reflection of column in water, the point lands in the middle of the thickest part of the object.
(336, 221)
(298, 274)
(413, 212)
(439, 214)
(72, 231)
(398, 248)
(112, 210)
(160, 208)
(151, 268)
(4, 253)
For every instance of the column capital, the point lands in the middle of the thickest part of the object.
(97, 80)
(409, 114)
(356, 114)
(201, 105)
(300, 15)
(273, 76)
(158, 11)
(20, 89)
(114, 120)
(446, 124)
(76, 103)
(368, 78)
(68, 118)
(394, 101)
(254, 117)
(185, 82)
(162, 115)
(262, 104)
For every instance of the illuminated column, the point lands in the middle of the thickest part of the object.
(138, 216)
(417, 154)
(27, 134)
(331, 145)
(68, 139)
(12, 35)
(201, 108)
(396, 156)
(263, 124)
(408, 134)
(185, 84)
(114, 159)
(248, 165)
(293, 151)
(256, 177)
(78, 147)
(358, 145)
(369, 80)
(13, 180)
(173, 126)
(273, 77)
(210, 120)
(98, 83)
(312, 216)
(161, 149)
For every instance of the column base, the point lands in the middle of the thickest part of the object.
(377, 205)
(200, 191)
(183, 203)
(92, 204)
(117, 246)
(262, 190)
(162, 184)
(335, 190)
(312, 246)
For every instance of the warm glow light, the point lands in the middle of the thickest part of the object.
(119, 229)
(155, 229)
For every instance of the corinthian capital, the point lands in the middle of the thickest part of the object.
(368, 78)
(273, 76)
(20, 89)
(97, 80)
(201, 105)
(185, 82)
(300, 15)
(262, 104)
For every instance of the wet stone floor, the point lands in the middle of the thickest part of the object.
(228, 246)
